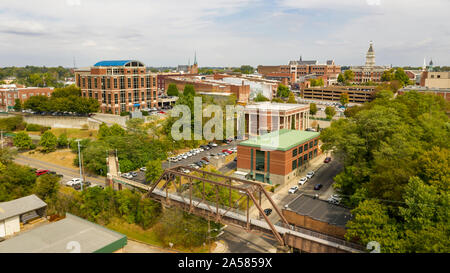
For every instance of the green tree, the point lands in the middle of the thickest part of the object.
(330, 112)
(401, 76)
(189, 90)
(372, 223)
(341, 78)
(260, 97)
(17, 105)
(291, 98)
(349, 75)
(172, 90)
(63, 141)
(23, 141)
(49, 142)
(312, 109)
(386, 76)
(283, 91)
(154, 170)
(47, 187)
(344, 99)
(247, 69)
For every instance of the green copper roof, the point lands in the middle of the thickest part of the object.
(281, 140)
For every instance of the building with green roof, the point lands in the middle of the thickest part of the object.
(277, 157)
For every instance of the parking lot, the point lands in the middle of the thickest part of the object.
(140, 177)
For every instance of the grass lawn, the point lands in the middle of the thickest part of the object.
(75, 133)
(62, 157)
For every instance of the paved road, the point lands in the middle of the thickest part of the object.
(68, 173)
(325, 176)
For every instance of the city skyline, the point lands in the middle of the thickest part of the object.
(223, 33)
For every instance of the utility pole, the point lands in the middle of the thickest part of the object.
(79, 163)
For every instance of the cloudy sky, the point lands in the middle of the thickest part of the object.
(223, 32)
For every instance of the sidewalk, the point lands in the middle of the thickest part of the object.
(281, 191)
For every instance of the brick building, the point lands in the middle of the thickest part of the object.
(277, 157)
(9, 94)
(301, 70)
(206, 85)
(119, 86)
(356, 94)
(443, 92)
(268, 117)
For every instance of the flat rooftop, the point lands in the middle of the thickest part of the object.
(320, 210)
(57, 237)
(281, 140)
(267, 105)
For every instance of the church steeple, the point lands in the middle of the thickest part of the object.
(195, 57)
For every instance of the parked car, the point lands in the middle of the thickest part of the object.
(41, 172)
(127, 175)
(310, 174)
(302, 181)
(195, 166)
(213, 144)
(74, 181)
(318, 187)
(205, 158)
(333, 201)
(198, 163)
(293, 189)
(134, 174)
(327, 160)
(56, 174)
(143, 169)
(204, 162)
(267, 212)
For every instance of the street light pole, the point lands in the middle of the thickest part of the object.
(79, 163)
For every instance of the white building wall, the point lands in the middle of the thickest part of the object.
(12, 225)
(2, 229)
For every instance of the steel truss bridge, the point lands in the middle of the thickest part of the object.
(213, 196)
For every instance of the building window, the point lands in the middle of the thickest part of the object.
(294, 165)
(310, 144)
(305, 148)
(305, 158)
(310, 155)
(300, 149)
(315, 152)
(129, 97)
(129, 82)
(122, 82)
(116, 99)
(142, 82)
(95, 83)
(108, 83)
(315, 142)
(115, 83)
(89, 83)
(294, 153)
(260, 155)
(300, 161)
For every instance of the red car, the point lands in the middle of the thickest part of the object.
(41, 172)
(327, 159)
(227, 151)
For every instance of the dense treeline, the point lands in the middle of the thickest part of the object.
(102, 206)
(134, 149)
(66, 99)
(36, 76)
(396, 155)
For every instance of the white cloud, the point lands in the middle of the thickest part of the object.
(223, 32)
